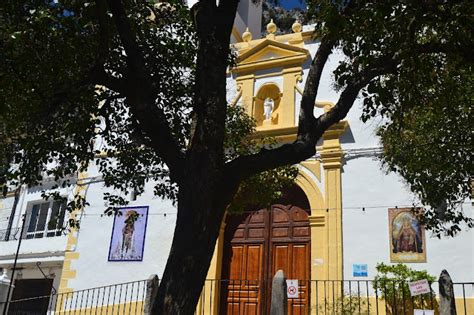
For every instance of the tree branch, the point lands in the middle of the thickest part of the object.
(140, 96)
(213, 26)
(306, 117)
(226, 12)
(435, 47)
(104, 34)
(99, 76)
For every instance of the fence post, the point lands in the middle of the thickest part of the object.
(152, 285)
(447, 303)
(279, 302)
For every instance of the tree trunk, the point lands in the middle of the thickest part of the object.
(195, 236)
(204, 192)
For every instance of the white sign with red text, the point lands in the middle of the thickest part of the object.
(419, 287)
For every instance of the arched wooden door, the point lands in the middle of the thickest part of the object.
(259, 243)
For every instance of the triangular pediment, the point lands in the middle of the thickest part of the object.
(270, 53)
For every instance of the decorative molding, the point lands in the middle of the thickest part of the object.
(270, 54)
(314, 167)
(317, 220)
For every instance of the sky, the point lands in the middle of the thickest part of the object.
(290, 4)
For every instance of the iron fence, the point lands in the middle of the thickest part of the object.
(325, 297)
(252, 297)
(122, 298)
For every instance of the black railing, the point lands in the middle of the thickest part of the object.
(13, 234)
(236, 297)
(249, 297)
(123, 298)
(10, 234)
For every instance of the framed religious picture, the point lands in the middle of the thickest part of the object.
(128, 234)
(407, 236)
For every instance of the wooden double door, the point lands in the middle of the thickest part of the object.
(257, 245)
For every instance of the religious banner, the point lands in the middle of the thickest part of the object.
(407, 236)
(128, 234)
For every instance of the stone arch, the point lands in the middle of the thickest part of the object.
(311, 190)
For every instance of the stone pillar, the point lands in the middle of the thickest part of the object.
(279, 303)
(447, 302)
(152, 286)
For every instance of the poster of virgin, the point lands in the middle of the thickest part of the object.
(128, 234)
(407, 236)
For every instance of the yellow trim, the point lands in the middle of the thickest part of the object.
(210, 296)
(122, 309)
(269, 54)
(292, 38)
(269, 63)
(68, 272)
(314, 167)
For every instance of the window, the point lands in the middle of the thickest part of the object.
(45, 219)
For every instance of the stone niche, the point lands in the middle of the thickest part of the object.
(267, 105)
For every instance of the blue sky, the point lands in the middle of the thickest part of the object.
(290, 4)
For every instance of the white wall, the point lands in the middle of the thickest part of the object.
(365, 184)
(5, 211)
(366, 234)
(249, 15)
(41, 248)
(93, 268)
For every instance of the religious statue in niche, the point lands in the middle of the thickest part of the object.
(407, 236)
(268, 107)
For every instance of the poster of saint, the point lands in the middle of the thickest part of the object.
(407, 236)
(128, 234)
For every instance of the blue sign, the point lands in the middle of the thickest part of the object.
(359, 270)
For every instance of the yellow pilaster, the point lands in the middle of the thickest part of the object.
(68, 272)
(209, 301)
(331, 155)
(291, 76)
(245, 84)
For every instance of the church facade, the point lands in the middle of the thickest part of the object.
(342, 217)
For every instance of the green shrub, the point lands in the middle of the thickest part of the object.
(346, 305)
(391, 283)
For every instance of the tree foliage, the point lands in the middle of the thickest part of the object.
(139, 88)
(56, 119)
(283, 18)
(424, 96)
(392, 284)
